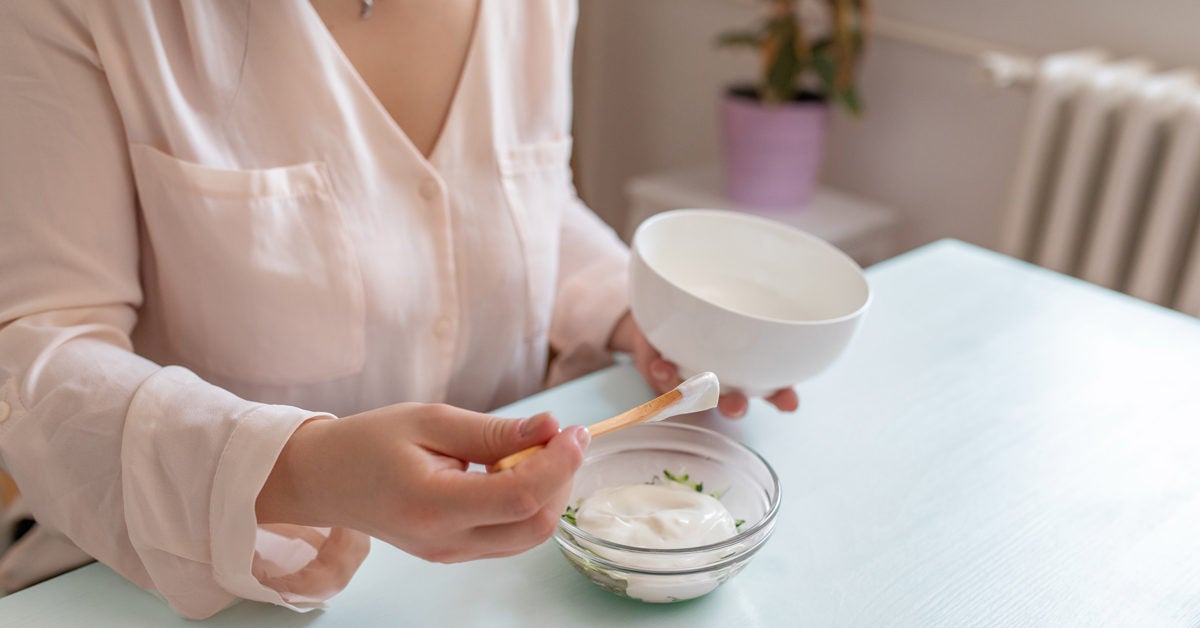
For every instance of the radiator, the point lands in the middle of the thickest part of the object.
(1105, 186)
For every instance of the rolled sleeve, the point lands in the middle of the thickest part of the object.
(190, 485)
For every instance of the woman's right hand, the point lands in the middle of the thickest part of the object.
(399, 473)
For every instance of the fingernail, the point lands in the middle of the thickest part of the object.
(531, 425)
(583, 437)
(731, 409)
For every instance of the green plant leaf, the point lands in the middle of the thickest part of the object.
(849, 99)
(787, 59)
(785, 66)
(739, 38)
(824, 66)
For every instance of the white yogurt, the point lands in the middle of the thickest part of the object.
(655, 516)
(658, 516)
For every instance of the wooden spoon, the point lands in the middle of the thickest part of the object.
(698, 393)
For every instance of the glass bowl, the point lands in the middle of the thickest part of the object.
(743, 481)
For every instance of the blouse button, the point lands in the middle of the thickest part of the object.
(429, 189)
(5, 411)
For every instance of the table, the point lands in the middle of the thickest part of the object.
(866, 231)
(1000, 445)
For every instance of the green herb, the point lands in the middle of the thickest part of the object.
(737, 525)
(569, 515)
(683, 479)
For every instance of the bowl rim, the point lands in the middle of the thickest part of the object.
(607, 564)
(635, 248)
(766, 522)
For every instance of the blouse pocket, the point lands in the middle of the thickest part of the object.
(537, 185)
(255, 272)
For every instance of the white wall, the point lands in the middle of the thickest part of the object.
(937, 142)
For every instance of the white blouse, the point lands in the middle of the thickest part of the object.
(211, 230)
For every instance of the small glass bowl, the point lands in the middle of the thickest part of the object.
(743, 481)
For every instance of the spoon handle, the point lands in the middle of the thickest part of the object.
(649, 410)
(633, 416)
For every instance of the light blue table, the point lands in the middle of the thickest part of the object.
(1001, 445)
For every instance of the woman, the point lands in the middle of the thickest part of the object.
(227, 223)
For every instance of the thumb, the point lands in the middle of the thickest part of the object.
(483, 438)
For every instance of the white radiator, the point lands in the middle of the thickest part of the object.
(1105, 186)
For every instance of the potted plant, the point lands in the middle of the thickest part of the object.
(773, 130)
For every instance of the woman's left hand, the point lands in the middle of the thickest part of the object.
(663, 375)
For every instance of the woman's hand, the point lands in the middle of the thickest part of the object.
(399, 473)
(662, 375)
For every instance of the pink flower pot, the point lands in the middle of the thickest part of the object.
(772, 153)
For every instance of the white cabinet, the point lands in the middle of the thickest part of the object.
(864, 230)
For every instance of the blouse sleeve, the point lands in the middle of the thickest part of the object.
(149, 469)
(592, 292)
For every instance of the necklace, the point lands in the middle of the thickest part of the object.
(367, 5)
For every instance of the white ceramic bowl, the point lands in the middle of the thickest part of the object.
(742, 479)
(761, 304)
